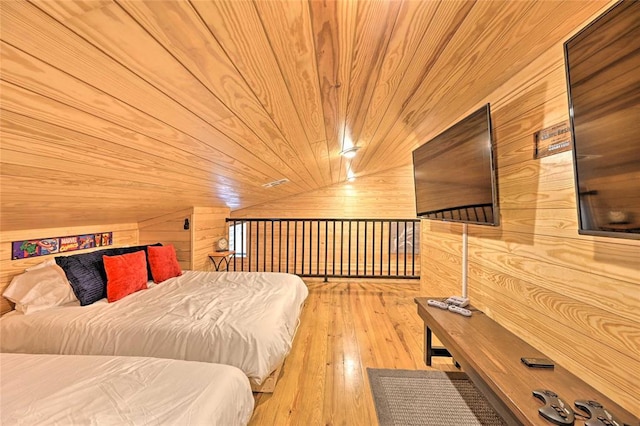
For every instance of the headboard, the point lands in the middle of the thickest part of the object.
(124, 234)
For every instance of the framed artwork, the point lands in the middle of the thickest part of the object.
(44, 246)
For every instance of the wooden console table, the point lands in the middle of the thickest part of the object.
(490, 355)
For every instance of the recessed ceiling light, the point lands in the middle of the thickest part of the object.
(350, 152)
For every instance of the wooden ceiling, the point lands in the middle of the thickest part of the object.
(119, 111)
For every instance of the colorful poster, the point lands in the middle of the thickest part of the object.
(68, 243)
(86, 241)
(103, 239)
(45, 246)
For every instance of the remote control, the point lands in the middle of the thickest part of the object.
(437, 304)
(555, 409)
(458, 301)
(459, 310)
(598, 416)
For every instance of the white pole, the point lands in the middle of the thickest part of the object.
(465, 259)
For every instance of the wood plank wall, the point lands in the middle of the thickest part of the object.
(124, 234)
(576, 298)
(208, 226)
(385, 195)
(169, 229)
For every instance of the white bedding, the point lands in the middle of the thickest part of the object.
(82, 390)
(244, 319)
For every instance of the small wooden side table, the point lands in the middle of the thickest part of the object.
(221, 258)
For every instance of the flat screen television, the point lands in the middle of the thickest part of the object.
(603, 81)
(454, 173)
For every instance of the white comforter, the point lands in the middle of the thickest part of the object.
(82, 390)
(244, 319)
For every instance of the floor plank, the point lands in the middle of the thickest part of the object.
(345, 328)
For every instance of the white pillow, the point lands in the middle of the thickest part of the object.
(39, 289)
(49, 262)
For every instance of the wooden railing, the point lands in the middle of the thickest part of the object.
(341, 248)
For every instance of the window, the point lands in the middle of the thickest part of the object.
(405, 232)
(238, 238)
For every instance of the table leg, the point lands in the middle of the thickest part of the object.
(429, 350)
(427, 345)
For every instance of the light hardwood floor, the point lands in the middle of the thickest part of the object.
(345, 327)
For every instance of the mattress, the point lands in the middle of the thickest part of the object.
(82, 390)
(244, 319)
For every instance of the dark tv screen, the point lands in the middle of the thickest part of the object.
(603, 79)
(454, 173)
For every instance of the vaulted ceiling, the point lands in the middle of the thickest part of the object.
(118, 111)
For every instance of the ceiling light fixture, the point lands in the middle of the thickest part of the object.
(275, 183)
(350, 152)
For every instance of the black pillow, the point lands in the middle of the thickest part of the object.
(86, 275)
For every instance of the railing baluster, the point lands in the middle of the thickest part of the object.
(404, 225)
(341, 246)
(349, 249)
(373, 248)
(235, 243)
(326, 248)
(333, 250)
(280, 246)
(357, 245)
(250, 244)
(288, 234)
(397, 248)
(310, 246)
(304, 223)
(413, 248)
(389, 253)
(318, 250)
(264, 246)
(366, 225)
(381, 244)
(295, 248)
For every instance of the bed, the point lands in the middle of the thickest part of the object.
(78, 389)
(244, 319)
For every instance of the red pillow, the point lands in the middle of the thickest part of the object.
(126, 274)
(163, 262)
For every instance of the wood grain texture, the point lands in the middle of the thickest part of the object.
(345, 328)
(211, 100)
(229, 22)
(442, 77)
(387, 194)
(290, 35)
(576, 298)
(490, 354)
(208, 226)
(169, 229)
